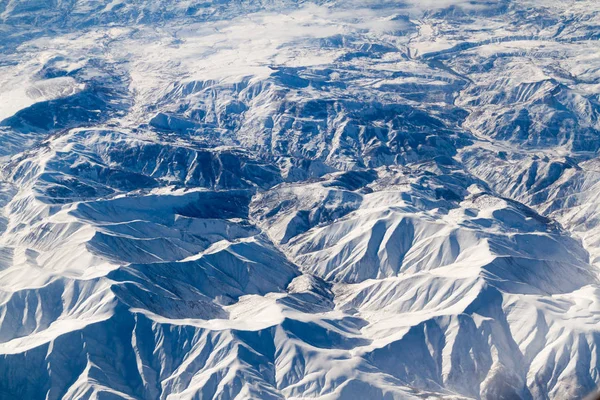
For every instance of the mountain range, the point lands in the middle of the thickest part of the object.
(288, 199)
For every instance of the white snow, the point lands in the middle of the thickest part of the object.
(293, 200)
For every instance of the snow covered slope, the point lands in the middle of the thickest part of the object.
(283, 199)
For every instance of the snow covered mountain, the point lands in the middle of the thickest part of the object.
(284, 199)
